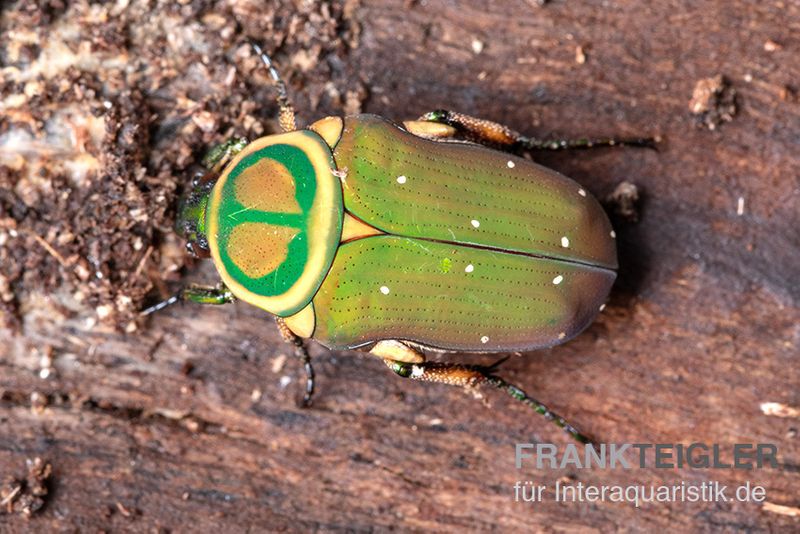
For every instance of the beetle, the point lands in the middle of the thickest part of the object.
(432, 234)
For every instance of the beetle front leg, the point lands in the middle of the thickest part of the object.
(496, 135)
(200, 294)
(471, 377)
(300, 353)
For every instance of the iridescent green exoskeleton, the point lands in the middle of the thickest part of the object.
(359, 232)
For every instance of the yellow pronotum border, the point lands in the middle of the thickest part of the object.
(325, 224)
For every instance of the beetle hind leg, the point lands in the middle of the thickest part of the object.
(471, 377)
(496, 135)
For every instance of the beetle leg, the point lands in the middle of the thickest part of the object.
(219, 155)
(392, 350)
(430, 129)
(472, 376)
(496, 135)
(301, 353)
(218, 294)
(286, 113)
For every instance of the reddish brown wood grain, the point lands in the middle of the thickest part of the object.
(184, 425)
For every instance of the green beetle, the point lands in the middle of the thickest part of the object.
(359, 232)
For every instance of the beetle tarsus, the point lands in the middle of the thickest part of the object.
(309, 393)
(523, 397)
(532, 143)
(161, 305)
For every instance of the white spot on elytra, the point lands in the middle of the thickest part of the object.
(602, 307)
(384, 290)
(562, 335)
(417, 371)
(582, 192)
(401, 179)
(510, 164)
(613, 234)
(558, 279)
(485, 339)
(475, 223)
(469, 268)
(565, 242)
(740, 206)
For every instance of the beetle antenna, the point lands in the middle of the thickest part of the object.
(524, 398)
(286, 113)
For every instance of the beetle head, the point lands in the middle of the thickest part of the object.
(192, 214)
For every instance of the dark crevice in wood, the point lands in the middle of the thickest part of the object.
(133, 414)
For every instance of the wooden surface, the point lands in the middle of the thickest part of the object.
(188, 424)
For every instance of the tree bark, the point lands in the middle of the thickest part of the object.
(189, 421)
